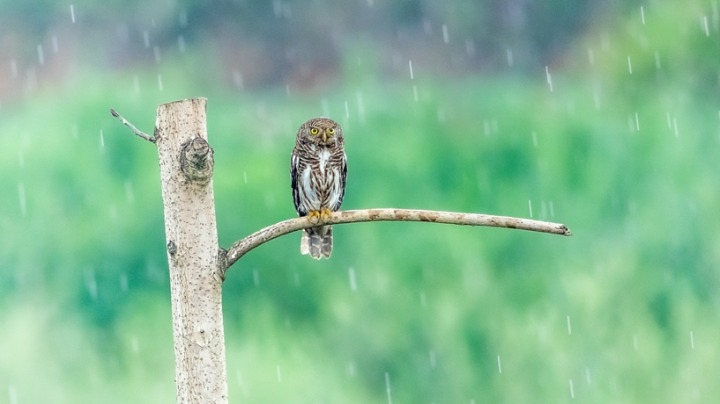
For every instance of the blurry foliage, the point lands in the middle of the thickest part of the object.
(625, 310)
(299, 42)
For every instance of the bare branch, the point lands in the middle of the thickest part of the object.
(132, 127)
(241, 247)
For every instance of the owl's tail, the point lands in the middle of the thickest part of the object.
(317, 241)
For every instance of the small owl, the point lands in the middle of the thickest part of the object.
(318, 167)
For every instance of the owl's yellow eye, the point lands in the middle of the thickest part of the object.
(314, 131)
(331, 131)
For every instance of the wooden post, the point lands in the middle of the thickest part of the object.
(186, 163)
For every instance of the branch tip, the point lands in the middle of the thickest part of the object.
(132, 127)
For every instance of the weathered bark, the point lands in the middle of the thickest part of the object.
(186, 163)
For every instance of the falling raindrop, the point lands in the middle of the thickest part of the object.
(572, 389)
(412, 75)
(102, 141)
(72, 13)
(136, 84)
(705, 26)
(21, 197)
(416, 96)
(279, 375)
(12, 395)
(441, 115)
(350, 369)
(692, 340)
(588, 379)
(548, 77)
(499, 364)
(256, 277)
(181, 43)
(277, 8)
(237, 79)
(241, 383)
(387, 387)
(40, 54)
(642, 14)
(543, 210)
(591, 57)
(160, 82)
(91, 284)
(637, 122)
(245, 177)
(552, 209)
(635, 342)
(351, 276)
(509, 57)
(347, 110)
(530, 207)
(629, 64)
(135, 344)
(446, 37)
(569, 327)
(55, 46)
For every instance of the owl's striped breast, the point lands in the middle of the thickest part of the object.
(318, 181)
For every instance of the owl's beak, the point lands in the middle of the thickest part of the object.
(325, 135)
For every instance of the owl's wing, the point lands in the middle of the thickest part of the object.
(343, 177)
(294, 169)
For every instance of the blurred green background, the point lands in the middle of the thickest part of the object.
(605, 117)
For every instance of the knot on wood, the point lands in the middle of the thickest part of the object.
(196, 160)
(171, 247)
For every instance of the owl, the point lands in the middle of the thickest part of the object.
(318, 168)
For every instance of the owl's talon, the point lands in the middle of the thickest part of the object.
(325, 214)
(314, 216)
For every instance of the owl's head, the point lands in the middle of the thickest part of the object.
(321, 131)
